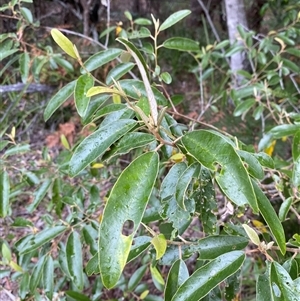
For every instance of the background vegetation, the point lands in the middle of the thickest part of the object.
(131, 169)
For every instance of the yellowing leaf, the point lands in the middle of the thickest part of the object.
(101, 90)
(160, 244)
(64, 142)
(284, 138)
(116, 98)
(118, 30)
(15, 267)
(259, 226)
(63, 42)
(179, 157)
(251, 234)
(144, 294)
(97, 165)
(269, 150)
(282, 44)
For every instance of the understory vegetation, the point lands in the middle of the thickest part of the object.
(117, 185)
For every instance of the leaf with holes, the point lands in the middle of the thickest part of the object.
(127, 201)
(210, 148)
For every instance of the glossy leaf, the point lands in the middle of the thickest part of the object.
(24, 61)
(135, 89)
(203, 280)
(184, 182)
(41, 238)
(48, 277)
(178, 274)
(101, 58)
(210, 149)
(283, 287)
(174, 18)
(270, 217)
(127, 201)
(83, 84)
(283, 130)
(136, 277)
(37, 274)
(253, 165)
(181, 44)
(166, 77)
(102, 90)
(77, 296)
(284, 209)
(74, 259)
(160, 244)
(296, 173)
(141, 243)
(19, 149)
(92, 266)
(97, 143)
(296, 146)
(63, 42)
(213, 246)
(26, 13)
(39, 194)
(4, 194)
(244, 106)
(129, 142)
(263, 289)
(117, 72)
(58, 99)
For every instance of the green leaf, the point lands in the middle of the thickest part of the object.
(36, 241)
(213, 246)
(270, 217)
(24, 61)
(174, 18)
(209, 149)
(176, 277)
(142, 21)
(263, 289)
(37, 274)
(18, 149)
(127, 201)
(296, 172)
(181, 44)
(136, 90)
(97, 143)
(166, 77)
(283, 287)
(48, 277)
(90, 236)
(26, 13)
(58, 99)
(244, 106)
(83, 84)
(253, 165)
(92, 266)
(283, 130)
(39, 195)
(209, 276)
(141, 244)
(136, 277)
(4, 194)
(6, 252)
(63, 42)
(183, 183)
(77, 296)
(129, 142)
(101, 58)
(74, 259)
(7, 53)
(62, 259)
(296, 146)
(117, 72)
(284, 209)
(157, 278)
(160, 244)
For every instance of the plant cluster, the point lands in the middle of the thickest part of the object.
(176, 178)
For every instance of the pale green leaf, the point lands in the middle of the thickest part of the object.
(252, 234)
(4, 194)
(160, 244)
(181, 44)
(63, 42)
(174, 18)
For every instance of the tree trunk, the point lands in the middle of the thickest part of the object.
(235, 15)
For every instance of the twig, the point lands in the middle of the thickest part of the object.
(107, 22)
